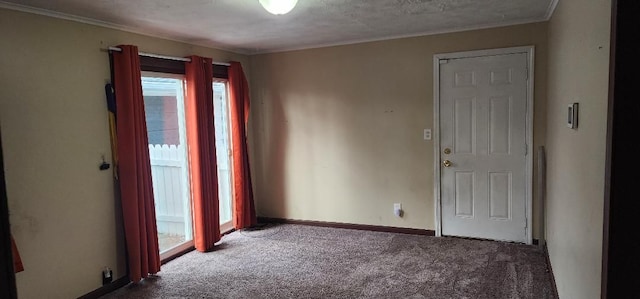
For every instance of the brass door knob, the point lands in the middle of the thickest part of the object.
(446, 163)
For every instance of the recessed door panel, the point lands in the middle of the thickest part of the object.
(500, 125)
(502, 76)
(464, 79)
(500, 195)
(464, 123)
(464, 194)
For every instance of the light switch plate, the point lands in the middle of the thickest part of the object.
(427, 134)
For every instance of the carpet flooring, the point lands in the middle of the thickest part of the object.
(295, 261)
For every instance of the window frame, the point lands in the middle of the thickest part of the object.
(168, 68)
(160, 65)
(228, 226)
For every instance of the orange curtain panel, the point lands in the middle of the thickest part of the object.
(134, 172)
(244, 214)
(17, 261)
(202, 152)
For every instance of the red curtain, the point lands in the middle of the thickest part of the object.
(202, 152)
(17, 261)
(243, 207)
(136, 188)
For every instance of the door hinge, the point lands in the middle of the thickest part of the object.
(526, 74)
(526, 149)
(443, 61)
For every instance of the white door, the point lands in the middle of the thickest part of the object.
(483, 119)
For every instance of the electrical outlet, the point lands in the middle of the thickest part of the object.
(397, 209)
(427, 134)
(107, 276)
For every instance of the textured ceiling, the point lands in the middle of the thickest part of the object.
(244, 26)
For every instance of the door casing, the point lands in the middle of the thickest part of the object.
(530, 51)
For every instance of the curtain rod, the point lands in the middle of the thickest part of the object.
(166, 57)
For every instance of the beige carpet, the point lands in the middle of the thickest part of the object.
(294, 261)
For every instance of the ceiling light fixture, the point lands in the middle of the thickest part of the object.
(278, 7)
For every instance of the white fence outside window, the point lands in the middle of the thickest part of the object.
(169, 174)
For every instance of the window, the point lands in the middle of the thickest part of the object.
(163, 86)
(164, 108)
(223, 152)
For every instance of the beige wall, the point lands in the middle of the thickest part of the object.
(578, 72)
(54, 131)
(339, 129)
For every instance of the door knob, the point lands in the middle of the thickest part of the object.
(446, 163)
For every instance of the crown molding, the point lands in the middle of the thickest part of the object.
(399, 36)
(552, 8)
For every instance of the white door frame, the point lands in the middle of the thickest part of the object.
(530, 51)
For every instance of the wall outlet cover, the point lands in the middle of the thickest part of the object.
(397, 209)
(427, 134)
